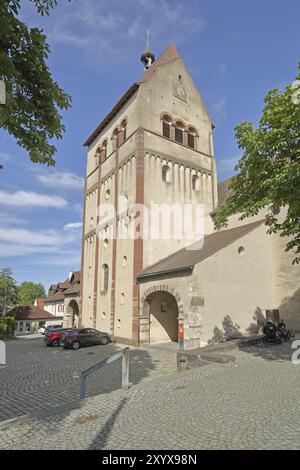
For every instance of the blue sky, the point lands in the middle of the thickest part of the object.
(236, 51)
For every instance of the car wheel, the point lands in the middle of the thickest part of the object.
(75, 345)
(55, 343)
(104, 340)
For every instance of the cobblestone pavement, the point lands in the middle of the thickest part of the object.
(253, 403)
(38, 377)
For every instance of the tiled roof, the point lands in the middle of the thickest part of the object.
(30, 313)
(72, 290)
(55, 297)
(169, 55)
(188, 258)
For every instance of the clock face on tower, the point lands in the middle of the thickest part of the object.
(179, 91)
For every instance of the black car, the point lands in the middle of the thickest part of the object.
(75, 338)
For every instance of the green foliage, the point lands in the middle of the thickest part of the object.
(8, 291)
(269, 170)
(33, 98)
(7, 326)
(29, 291)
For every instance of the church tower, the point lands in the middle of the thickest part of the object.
(154, 147)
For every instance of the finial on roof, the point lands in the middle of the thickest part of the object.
(147, 58)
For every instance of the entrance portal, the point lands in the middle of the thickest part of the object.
(163, 317)
(72, 314)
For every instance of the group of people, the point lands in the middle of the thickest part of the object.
(276, 332)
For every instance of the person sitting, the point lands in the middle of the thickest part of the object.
(269, 330)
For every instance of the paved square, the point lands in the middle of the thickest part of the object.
(253, 403)
(38, 377)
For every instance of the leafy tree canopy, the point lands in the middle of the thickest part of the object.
(269, 170)
(8, 291)
(33, 98)
(29, 291)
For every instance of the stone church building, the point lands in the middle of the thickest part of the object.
(155, 147)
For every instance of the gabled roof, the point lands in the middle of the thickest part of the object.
(169, 55)
(30, 313)
(187, 258)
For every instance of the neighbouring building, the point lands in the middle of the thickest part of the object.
(30, 318)
(64, 301)
(156, 147)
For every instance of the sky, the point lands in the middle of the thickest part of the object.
(235, 51)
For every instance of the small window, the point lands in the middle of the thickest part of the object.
(124, 262)
(164, 306)
(21, 326)
(115, 139)
(166, 174)
(166, 123)
(179, 132)
(103, 315)
(122, 298)
(107, 194)
(122, 134)
(103, 151)
(195, 183)
(191, 137)
(105, 273)
(166, 129)
(241, 250)
(105, 243)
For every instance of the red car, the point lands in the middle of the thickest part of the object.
(52, 338)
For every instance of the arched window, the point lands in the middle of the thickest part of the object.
(196, 183)
(167, 123)
(105, 273)
(191, 137)
(166, 174)
(179, 132)
(103, 153)
(115, 139)
(98, 155)
(122, 133)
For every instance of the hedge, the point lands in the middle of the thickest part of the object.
(7, 326)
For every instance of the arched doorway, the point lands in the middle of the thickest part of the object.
(73, 314)
(161, 306)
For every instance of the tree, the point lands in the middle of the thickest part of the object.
(29, 291)
(33, 98)
(269, 170)
(8, 291)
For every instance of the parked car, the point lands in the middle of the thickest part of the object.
(53, 336)
(77, 337)
(52, 328)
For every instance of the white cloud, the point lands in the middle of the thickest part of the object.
(113, 30)
(73, 226)
(220, 106)
(31, 199)
(67, 180)
(24, 242)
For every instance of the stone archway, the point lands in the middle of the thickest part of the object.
(160, 310)
(72, 314)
